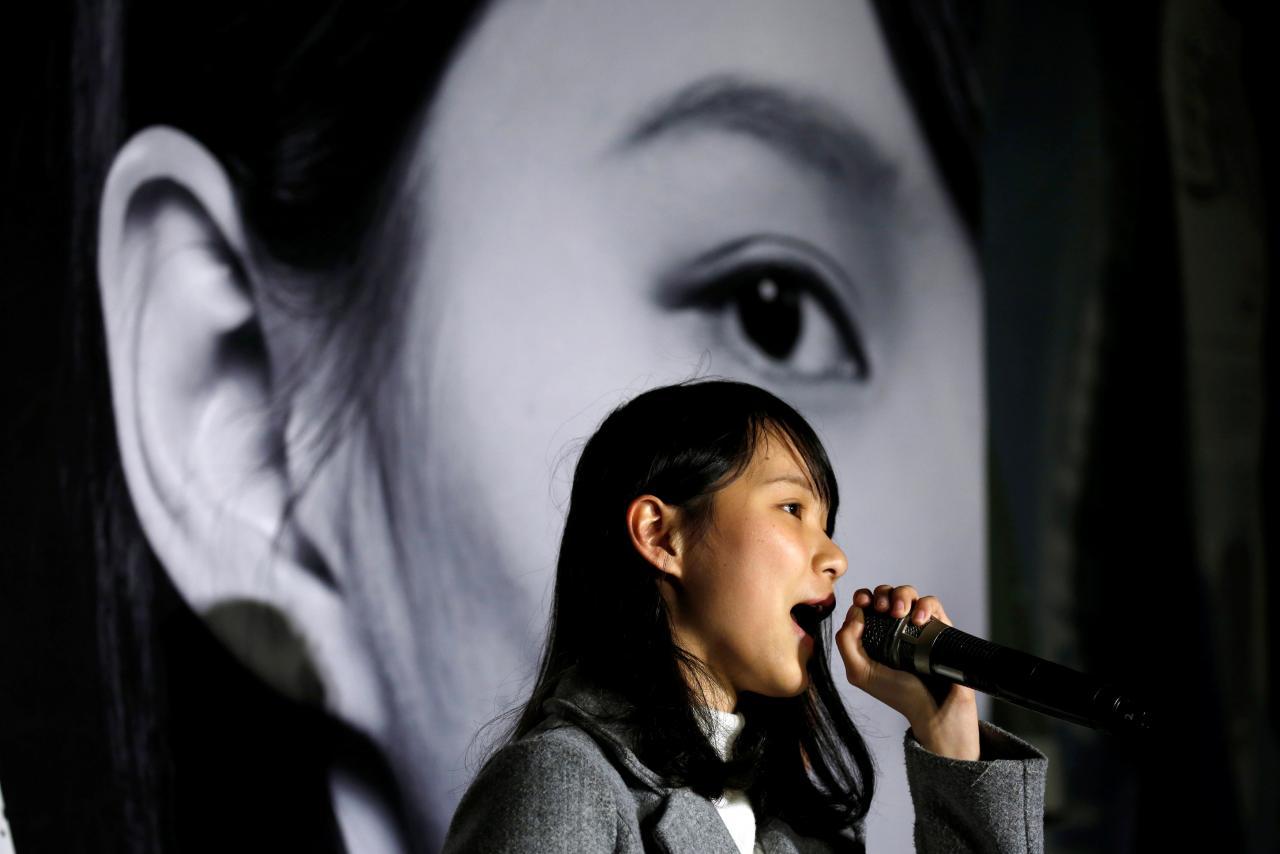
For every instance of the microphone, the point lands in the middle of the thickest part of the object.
(940, 655)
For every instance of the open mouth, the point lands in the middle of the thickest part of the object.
(809, 615)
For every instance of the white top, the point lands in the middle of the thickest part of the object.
(734, 808)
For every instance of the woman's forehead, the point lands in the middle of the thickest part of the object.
(777, 460)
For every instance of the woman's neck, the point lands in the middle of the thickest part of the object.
(714, 690)
(711, 689)
(722, 699)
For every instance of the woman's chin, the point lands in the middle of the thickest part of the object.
(792, 686)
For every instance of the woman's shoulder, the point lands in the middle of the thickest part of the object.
(545, 757)
(550, 790)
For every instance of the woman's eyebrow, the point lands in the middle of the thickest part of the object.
(794, 479)
(805, 130)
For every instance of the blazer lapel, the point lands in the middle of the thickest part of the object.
(776, 837)
(687, 822)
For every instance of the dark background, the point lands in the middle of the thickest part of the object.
(1129, 251)
(1130, 254)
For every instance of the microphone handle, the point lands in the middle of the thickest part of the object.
(938, 652)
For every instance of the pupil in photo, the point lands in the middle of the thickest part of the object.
(770, 317)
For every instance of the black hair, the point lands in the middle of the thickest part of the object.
(802, 756)
(932, 44)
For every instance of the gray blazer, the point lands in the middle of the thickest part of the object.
(575, 785)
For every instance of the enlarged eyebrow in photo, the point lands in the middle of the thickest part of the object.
(801, 128)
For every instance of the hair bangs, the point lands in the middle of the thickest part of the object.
(808, 448)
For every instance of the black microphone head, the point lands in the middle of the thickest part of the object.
(877, 636)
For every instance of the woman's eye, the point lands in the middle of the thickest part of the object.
(786, 320)
(792, 508)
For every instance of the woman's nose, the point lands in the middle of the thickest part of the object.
(832, 560)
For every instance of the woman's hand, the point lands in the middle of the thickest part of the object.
(950, 729)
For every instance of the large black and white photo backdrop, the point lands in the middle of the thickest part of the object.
(310, 306)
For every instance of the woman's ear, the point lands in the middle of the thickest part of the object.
(654, 527)
(201, 435)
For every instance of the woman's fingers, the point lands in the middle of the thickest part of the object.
(949, 729)
(858, 664)
(897, 601)
(881, 595)
(900, 601)
(901, 691)
(926, 608)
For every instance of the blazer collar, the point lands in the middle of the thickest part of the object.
(602, 714)
(672, 819)
(680, 819)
